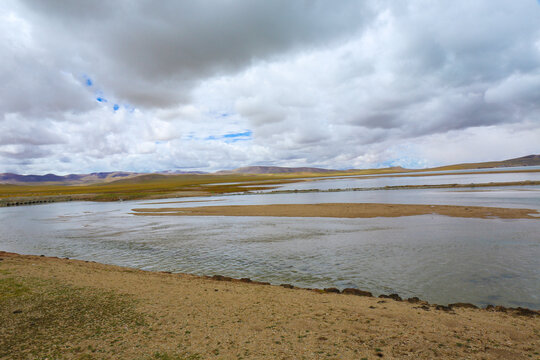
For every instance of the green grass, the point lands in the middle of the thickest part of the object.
(43, 319)
(9, 288)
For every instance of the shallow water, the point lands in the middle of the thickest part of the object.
(375, 182)
(436, 258)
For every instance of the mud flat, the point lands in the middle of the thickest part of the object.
(346, 210)
(60, 308)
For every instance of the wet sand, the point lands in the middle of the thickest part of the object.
(345, 210)
(179, 316)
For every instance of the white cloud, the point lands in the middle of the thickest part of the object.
(345, 84)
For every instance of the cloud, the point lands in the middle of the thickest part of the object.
(158, 53)
(135, 85)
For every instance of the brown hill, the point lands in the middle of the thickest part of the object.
(105, 177)
(529, 160)
(71, 179)
(273, 170)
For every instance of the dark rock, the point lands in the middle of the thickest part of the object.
(381, 301)
(41, 255)
(246, 280)
(17, 311)
(332, 290)
(413, 300)
(322, 338)
(379, 354)
(391, 296)
(288, 286)
(357, 292)
(463, 305)
(261, 282)
(443, 308)
(490, 308)
(525, 312)
(372, 307)
(221, 278)
(166, 272)
(500, 308)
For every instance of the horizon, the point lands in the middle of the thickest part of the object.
(138, 87)
(187, 171)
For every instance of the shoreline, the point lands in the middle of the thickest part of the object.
(524, 311)
(185, 316)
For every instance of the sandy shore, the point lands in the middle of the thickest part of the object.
(345, 210)
(60, 308)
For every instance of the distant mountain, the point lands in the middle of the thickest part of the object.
(272, 170)
(181, 172)
(529, 160)
(100, 177)
(15, 178)
(72, 179)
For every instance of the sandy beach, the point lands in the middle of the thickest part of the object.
(60, 308)
(345, 210)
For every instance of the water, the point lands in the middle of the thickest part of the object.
(437, 258)
(374, 181)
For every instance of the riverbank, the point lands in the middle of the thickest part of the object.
(61, 308)
(344, 210)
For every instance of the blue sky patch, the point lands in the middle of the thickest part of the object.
(101, 99)
(116, 107)
(236, 135)
(233, 137)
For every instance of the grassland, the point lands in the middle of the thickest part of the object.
(155, 186)
(142, 187)
(54, 308)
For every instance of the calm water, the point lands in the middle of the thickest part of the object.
(436, 258)
(372, 181)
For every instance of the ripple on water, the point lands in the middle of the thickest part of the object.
(436, 258)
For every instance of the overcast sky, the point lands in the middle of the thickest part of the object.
(165, 85)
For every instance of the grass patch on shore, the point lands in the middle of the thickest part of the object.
(150, 186)
(45, 319)
(147, 186)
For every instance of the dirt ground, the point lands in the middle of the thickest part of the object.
(345, 210)
(59, 308)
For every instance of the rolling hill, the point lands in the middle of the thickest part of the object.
(130, 177)
(273, 170)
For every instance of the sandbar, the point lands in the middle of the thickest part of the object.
(345, 210)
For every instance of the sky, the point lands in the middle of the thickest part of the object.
(144, 86)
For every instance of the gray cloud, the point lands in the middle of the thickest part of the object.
(336, 84)
(152, 55)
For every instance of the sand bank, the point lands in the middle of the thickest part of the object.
(345, 210)
(60, 308)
